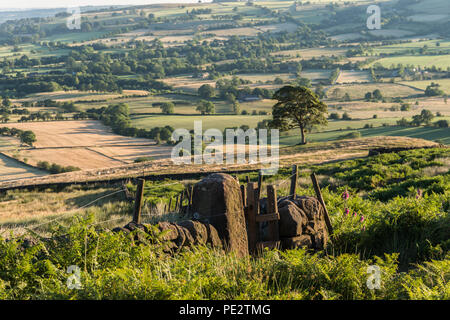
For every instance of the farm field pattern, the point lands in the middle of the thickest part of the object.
(88, 145)
(88, 106)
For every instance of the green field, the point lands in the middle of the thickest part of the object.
(187, 121)
(422, 85)
(401, 48)
(439, 61)
(434, 134)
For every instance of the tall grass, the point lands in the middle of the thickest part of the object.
(395, 218)
(113, 266)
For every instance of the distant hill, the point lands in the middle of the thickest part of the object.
(14, 14)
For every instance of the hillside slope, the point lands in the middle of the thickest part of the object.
(310, 154)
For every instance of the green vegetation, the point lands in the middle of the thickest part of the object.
(27, 137)
(234, 59)
(397, 217)
(55, 168)
(145, 71)
(297, 107)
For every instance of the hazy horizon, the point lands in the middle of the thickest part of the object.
(46, 4)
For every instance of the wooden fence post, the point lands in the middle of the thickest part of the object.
(251, 216)
(191, 195)
(272, 208)
(138, 201)
(260, 179)
(170, 204)
(322, 202)
(294, 180)
(244, 196)
(177, 204)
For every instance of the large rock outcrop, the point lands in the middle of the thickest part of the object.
(217, 200)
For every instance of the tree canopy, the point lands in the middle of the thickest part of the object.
(206, 107)
(297, 107)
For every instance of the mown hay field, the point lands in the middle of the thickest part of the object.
(353, 76)
(85, 144)
(358, 91)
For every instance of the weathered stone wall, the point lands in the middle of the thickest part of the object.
(218, 219)
(301, 224)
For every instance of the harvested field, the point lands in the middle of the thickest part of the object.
(313, 153)
(358, 91)
(366, 110)
(11, 169)
(353, 76)
(85, 144)
(188, 83)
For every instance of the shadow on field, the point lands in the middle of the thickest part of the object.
(427, 133)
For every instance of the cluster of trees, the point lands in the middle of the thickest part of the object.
(334, 75)
(117, 116)
(254, 112)
(89, 79)
(206, 107)
(26, 137)
(228, 90)
(199, 11)
(424, 118)
(55, 168)
(337, 116)
(167, 107)
(6, 109)
(43, 116)
(434, 90)
(374, 96)
(65, 107)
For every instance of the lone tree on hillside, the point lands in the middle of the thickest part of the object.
(297, 107)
